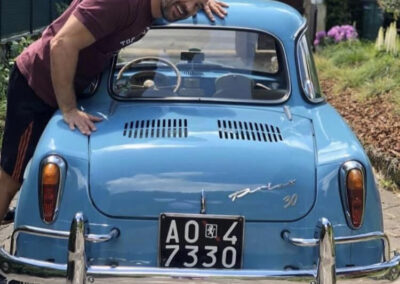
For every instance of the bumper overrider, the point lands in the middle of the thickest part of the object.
(77, 271)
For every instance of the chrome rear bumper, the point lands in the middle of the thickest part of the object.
(76, 271)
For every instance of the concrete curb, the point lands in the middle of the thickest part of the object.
(389, 166)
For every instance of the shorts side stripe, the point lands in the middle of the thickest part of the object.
(23, 145)
(20, 146)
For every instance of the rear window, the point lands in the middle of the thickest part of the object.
(204, 64)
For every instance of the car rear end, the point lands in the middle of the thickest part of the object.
(224, 211)
(217, 182)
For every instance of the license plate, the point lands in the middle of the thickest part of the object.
(201, 241)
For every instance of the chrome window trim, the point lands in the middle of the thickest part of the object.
(62, 165)
(344, 171)
(298, 60)
(208, 100)
(302, 29)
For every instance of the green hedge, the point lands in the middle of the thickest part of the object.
(9, 52)
(338, 12)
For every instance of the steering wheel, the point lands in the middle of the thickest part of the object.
(153, 59)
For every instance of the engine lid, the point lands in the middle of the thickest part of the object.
(151, 159)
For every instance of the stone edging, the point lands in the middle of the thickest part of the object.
(389, 166)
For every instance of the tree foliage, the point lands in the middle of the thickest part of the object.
(338, 13)
(391, 6)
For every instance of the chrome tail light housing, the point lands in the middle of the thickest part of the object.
(52, 174)
(353, 192)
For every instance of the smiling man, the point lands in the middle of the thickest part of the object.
(174, 10)
(71, 52)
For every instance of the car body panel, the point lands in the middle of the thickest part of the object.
(79, 199)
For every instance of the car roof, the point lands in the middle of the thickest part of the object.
(274, 17)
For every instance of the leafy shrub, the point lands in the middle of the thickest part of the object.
(338, 13)
(13, 49)
(61, 7)
(391, 6)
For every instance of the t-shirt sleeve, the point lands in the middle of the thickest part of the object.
(102, 17)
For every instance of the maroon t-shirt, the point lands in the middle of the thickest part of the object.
(114, 24)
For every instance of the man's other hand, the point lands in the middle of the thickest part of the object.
(82, 120)
(215, 7)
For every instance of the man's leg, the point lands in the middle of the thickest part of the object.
(26, 118)
(8, 189)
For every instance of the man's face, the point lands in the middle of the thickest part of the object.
(174, 10)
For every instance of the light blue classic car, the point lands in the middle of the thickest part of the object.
(218, 160)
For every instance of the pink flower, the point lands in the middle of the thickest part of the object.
(342, 33)
(320, 35)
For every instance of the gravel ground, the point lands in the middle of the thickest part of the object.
(391, 213)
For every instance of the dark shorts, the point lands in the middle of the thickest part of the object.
(27, 116)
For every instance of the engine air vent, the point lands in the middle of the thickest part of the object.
(242, 130)
(156, 128)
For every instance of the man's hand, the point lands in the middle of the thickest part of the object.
(64, 53)
(215, 7)
(82, 120)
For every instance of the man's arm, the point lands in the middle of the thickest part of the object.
(215, 7)
(64, 52)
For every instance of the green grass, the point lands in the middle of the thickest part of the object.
(360, 67)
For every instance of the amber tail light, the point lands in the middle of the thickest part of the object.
(50, 187)
(352, 176)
